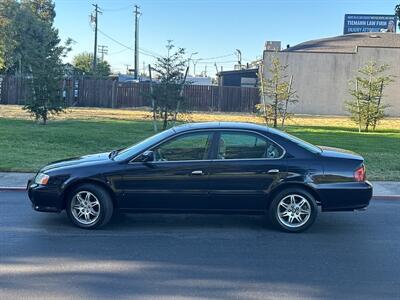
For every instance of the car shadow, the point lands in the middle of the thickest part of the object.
(326, 223)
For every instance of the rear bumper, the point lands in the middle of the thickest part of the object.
(44, 198)
(345, 196)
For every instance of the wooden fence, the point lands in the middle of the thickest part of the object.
(111, 93)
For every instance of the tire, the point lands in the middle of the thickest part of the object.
(92, 212)
(293, 210)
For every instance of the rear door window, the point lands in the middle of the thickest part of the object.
(247, 145)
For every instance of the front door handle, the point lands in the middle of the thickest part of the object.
(273, 171)
(198, 172)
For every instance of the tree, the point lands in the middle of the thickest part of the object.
(42, 58)
(276, 93)
(9, 9)
(397, 12)
(366, 107)
(167, 94)
(83, 65)
(16, 17)
(42, 9)
(30, 47)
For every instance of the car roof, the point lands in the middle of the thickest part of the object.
(220, 125)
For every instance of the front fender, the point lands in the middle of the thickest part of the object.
(73, 182)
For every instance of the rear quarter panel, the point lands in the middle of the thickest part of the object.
(338, 189)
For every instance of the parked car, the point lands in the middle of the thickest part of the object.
(207, 168)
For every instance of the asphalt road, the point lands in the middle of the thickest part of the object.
(343, 256)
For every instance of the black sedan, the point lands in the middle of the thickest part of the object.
(207, 168)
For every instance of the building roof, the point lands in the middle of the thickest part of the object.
(242, 71)
(348, 43)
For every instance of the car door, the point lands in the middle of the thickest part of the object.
(246, 165)
(176, 179)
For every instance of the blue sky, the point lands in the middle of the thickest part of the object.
(213, 28)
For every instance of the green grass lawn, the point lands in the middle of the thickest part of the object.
(26, 146)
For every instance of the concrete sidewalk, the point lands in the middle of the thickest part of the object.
(17, 181)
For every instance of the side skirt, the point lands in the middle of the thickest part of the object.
(196, 211)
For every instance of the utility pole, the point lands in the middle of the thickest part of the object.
(195, 61)
(94, 18)
(103, 49)
(216, 67)
(239, 55)
(137, 14)
(190, 58)
(127, 69)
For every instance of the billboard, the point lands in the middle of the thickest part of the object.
(369, 23)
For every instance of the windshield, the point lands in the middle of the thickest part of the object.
(305, 145)
(142, 145)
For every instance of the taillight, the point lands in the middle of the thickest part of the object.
(360, 174)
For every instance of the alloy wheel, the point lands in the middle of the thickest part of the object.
(294, 210)
(85, 207)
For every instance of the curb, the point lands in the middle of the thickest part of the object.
(12, 188)
(386, 197)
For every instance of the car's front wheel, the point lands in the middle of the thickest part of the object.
(293, 210)
(89, 206)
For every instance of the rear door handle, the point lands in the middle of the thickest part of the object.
(273, 171)
(198, 172)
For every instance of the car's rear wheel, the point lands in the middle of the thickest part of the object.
(89, 206)
(293, 210)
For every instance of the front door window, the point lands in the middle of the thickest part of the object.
(187, 147)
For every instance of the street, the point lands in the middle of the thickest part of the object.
(349, 255)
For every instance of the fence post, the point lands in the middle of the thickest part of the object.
(113, 93)
(220, 96)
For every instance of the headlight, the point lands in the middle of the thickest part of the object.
(42, 179)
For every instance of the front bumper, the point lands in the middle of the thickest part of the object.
(44, 198)
(345, 196)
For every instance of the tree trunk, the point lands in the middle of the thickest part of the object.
(375, 120)
(165, 124)
(262, 92)
(276, 105)
(276, 111)
(44, 118)
(181, 95)
(358, 107)
(368, 117)
(153, 103)
(287, 100)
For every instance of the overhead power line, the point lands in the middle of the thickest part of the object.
(218, 62)
(118, 52)
(114, 40)
(115, 9)
(217, 57)
(150, 52)
(125, 46)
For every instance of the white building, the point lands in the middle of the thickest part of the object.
(322, 68)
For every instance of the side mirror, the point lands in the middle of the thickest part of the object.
(147, 156)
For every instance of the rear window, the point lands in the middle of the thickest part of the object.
(303, 144)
